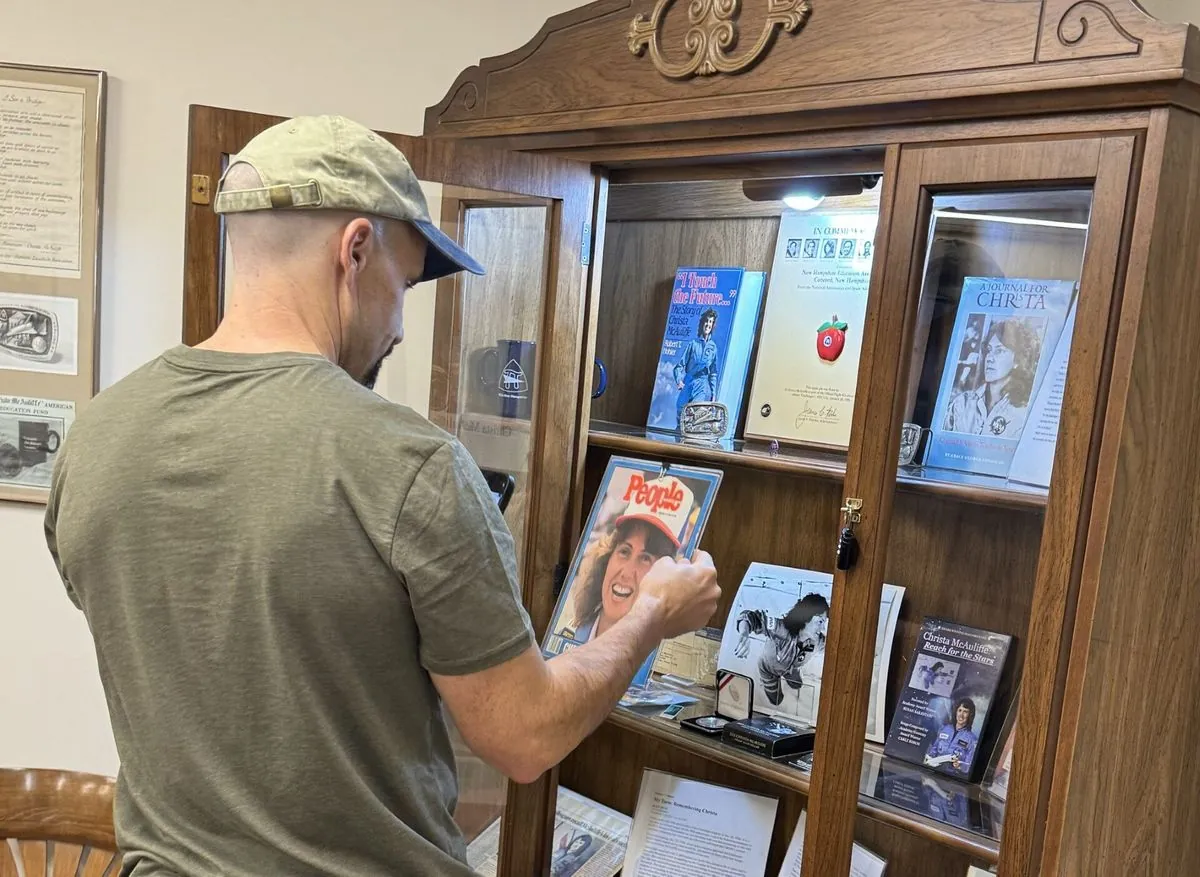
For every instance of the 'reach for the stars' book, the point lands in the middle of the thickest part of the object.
(950, 690)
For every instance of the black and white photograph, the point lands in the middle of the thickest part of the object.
(829, 248)
(847, 248)
(775, 634)
(793, 248)
(992, 387)
(810, 248)
(31, 433)
(39, 333)
(934, 674)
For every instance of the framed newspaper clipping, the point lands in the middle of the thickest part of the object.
(51, 180)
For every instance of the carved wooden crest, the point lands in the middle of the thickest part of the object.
(712, 34)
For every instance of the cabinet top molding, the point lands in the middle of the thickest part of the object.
(625, 64)
(711, 33)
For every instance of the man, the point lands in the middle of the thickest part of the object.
(696, 371)
(286, 576)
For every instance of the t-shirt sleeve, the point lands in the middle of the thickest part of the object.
(50, 523)
(455, 555)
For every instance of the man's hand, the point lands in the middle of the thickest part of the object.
(525, 715)
(683, 593)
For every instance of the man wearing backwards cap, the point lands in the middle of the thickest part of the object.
(286, 576)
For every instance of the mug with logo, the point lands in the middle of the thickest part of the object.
(505, 374)
(36, 441)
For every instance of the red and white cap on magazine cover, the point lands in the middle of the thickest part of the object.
(664, 503)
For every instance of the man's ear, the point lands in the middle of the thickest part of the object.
(358, 240)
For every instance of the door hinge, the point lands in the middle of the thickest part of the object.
(585, 250)
(201, 189)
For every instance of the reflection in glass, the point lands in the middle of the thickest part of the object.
(485, 379)
(993, 335)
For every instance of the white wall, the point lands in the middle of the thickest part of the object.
(381, 63)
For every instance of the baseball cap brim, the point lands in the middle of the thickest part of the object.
(653, 522)
(444, 256)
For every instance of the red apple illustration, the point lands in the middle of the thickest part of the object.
(831, 338)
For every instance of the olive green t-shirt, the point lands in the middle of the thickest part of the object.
(272, 559)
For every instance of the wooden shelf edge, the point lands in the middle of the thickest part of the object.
(973, 845)
(791, 464)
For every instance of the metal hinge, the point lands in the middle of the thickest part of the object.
(201, 189)
(585, 251)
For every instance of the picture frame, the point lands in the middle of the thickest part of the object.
(52, 132)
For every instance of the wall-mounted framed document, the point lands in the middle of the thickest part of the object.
(51, 182)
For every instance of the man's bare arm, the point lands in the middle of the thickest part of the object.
(525, 715)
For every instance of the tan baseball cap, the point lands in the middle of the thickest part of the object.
(332, 163)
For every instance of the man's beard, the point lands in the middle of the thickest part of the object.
(368, 380)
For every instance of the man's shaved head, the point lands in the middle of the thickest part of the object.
(337, 276)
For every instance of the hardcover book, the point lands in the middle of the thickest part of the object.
(706, 345)
(806, 370)
(947, 697)
(1005, 334)
(644, 510)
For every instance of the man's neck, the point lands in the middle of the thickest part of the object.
(258, 322)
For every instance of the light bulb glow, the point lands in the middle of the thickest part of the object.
(802, 202)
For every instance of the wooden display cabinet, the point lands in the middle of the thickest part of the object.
(1041, 138)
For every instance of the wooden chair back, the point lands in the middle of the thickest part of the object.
(56, 823)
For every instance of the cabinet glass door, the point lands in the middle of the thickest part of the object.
(967, 493)
(477, 358)
(485, 378)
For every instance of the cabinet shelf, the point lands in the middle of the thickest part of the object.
(984, 847)
(812, 463)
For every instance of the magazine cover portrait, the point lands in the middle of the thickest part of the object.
(643, 511)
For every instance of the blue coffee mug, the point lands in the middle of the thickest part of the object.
(599, 391)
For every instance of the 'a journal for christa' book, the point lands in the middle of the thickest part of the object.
(706, 346)
(644, 510)
(1005, 334)
(949, 692)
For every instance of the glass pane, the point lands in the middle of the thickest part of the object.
(484, 385)
(993, 337)
(1001, 276)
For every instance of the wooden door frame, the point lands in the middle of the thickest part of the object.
(571, 188)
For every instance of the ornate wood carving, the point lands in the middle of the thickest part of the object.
(712, 34)
(642, 64)
(1088, 29)
(1073, 26)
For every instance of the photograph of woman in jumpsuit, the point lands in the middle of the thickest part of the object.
(696, 369)
(790, 642)
(956, 740)
(775, 634)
